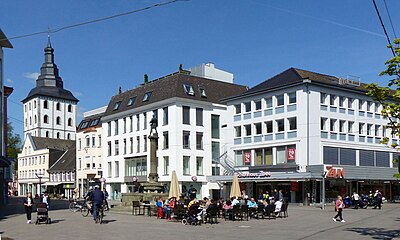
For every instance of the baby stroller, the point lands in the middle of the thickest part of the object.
(193, 216)
(42, 214)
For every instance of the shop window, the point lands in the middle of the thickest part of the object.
(286, 154)
(239, 158)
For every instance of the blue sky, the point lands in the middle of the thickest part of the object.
(254, 39)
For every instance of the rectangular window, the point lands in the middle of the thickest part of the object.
(147, 96)
(145, 143)
(247, 130)
(186, 115)
(369, 129)
(199, 117)
(79, 144)
(292, 97)
(166, 165)
(93, 141)
(165, 116)
(116, 127)
(257, 128)
(268, 127)
(377, 107)
(350, 127)
(281, 155)
(360, 104)
(332, 99)
(109, 169)
(124, 147)
(292, 123)
(361, 128)
(186, 165)
(144, 121)
(377, 130)
(215, 170)
(332, 125)
(247, 106)
(116, 169)
(268, 156)
(116, 147)
(87, 141)
(166, 140)
(130, 124)
(323, 124)
(280, 125)
(350, 102)
(80, 163)
(137, 144)
(331, 155)
(238, 131)
(137, 122)
(109, 129)
(199, 140)
(257, 105)
(199, 166)
(109, 148)
(215, 126)
(99, 140)
(341, 101)
(186, 139)
(280, 100)
(238, 109)
(369, 106)
(322, 98)
(124, 127)
(268, 102)
(342, 126)
(131, 143)
(215, 150)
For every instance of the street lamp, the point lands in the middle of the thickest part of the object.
(40, 176)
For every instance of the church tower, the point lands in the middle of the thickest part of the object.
(49, 109)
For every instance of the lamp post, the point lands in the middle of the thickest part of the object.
(40, 176)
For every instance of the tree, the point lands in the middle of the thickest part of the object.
(389, 97)
(13, 144)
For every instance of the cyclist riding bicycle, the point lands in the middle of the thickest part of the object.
(88, 198)
(97, 198)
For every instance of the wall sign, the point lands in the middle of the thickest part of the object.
(247, 157)
(260, 174)
(291, 154)
(333, 172)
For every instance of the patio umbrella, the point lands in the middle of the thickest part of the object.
(235, 189)
(174, 187)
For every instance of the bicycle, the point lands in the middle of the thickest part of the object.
(100, 214)
(74, 205)
(85, 210)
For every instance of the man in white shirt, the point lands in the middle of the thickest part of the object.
(45, 199)
(356, 199)
(235, 201)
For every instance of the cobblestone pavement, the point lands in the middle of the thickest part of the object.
(302, 223)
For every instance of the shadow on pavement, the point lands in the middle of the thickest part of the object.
(376, 233)
(108, 221)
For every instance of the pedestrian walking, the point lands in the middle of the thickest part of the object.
(356, 199)
(339, 209)
(28, 203)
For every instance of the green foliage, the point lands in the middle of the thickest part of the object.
(13, 145)
(389, 97)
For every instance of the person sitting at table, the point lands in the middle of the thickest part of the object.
(160, 206)
(252, 207)
(278, 206)
(234, 201)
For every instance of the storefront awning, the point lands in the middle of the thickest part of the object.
(273, 176)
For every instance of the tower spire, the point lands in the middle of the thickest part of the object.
(48, 38)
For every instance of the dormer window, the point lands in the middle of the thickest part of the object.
(203, 92)
(94, 122)
(116, 105)
(84, 125)
(131, 101)
(188, 89)
(147, 96)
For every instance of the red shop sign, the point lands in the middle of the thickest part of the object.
(291, 154)
(294, 186)
(247, 157)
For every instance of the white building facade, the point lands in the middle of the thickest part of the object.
(291, 129)
(190, 130)
(89, 150)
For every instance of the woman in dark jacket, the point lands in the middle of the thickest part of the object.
(28, 203)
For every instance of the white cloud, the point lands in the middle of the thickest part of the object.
(9, 80)
(78, 94)
(31, 75)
